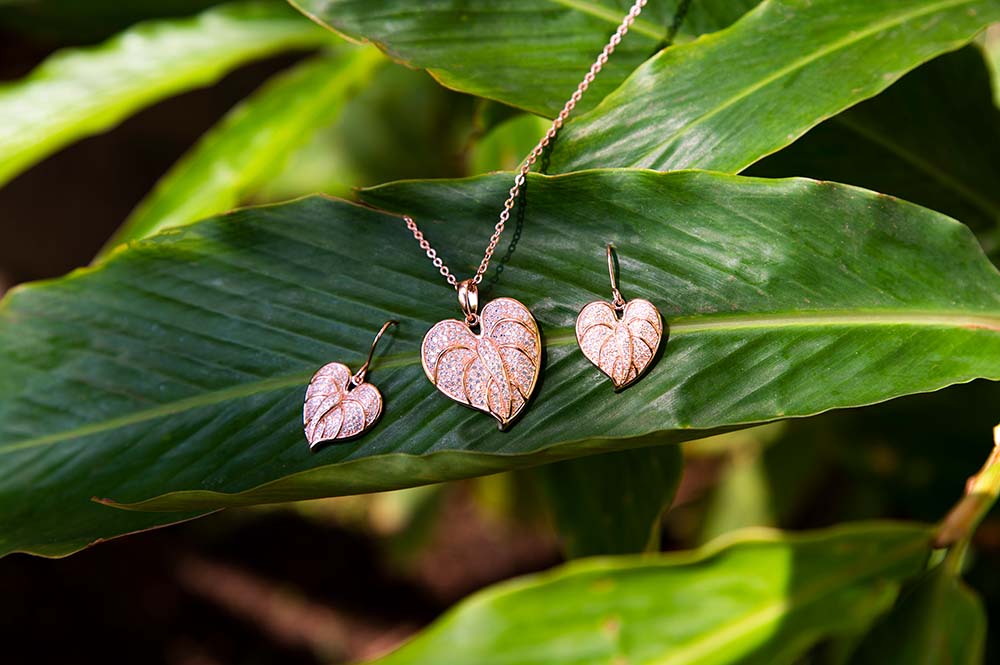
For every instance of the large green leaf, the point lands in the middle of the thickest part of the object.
(79, 92)
(938, 620)
(251, 144)
(932, 138)
(759, 597)
(178, 367)
(522, 52)
(730, 98)
(612, 503)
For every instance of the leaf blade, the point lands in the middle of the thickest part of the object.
(249, 145)
(612, 503)
(782, 594)
(944, 619)
(171, 375)
(697, 126)
(932, 138)
(496, 50)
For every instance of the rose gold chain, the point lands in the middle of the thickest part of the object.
(532, 157)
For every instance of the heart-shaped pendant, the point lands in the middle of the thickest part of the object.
(493, 370)
(621, 347)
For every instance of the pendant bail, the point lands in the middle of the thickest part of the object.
(468, 299)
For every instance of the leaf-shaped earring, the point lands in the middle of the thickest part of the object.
(340, 405)
(620, 337)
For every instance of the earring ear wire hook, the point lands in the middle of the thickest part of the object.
(618, 301)
(359, 376)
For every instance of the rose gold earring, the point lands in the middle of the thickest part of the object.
(620, 337)
(340, 405)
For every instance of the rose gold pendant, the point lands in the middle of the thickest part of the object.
(620, 338)
(340, 405)
(489, 361)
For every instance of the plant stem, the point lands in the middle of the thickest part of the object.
(981, 492)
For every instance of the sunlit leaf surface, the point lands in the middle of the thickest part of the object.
(251, 144)
(758, 597)
(78, 92)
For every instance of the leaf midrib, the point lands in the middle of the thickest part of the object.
(800, 63)
(553, 338)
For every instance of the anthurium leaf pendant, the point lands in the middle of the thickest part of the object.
(622, 346)
(337, 408)
(494, 369)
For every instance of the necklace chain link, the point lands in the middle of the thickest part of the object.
(532, 157)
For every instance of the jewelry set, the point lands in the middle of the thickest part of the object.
(491, 359)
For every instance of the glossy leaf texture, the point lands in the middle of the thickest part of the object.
(612, 503)
(524, 53)
(79, 92)
(944, 622)
(932, 138)
(758, 597)
(780, 70)
(251, 144)
(173, 374)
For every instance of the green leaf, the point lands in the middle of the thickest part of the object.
(401, 125)
(733, 97)
(178, 366)
(505, 146)
(251, 144)
(525, 53)
(764, 476)
(79, 92)
(611, 503)
(937, 620)
(742, 497)
(932, 138)
(758, 597)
